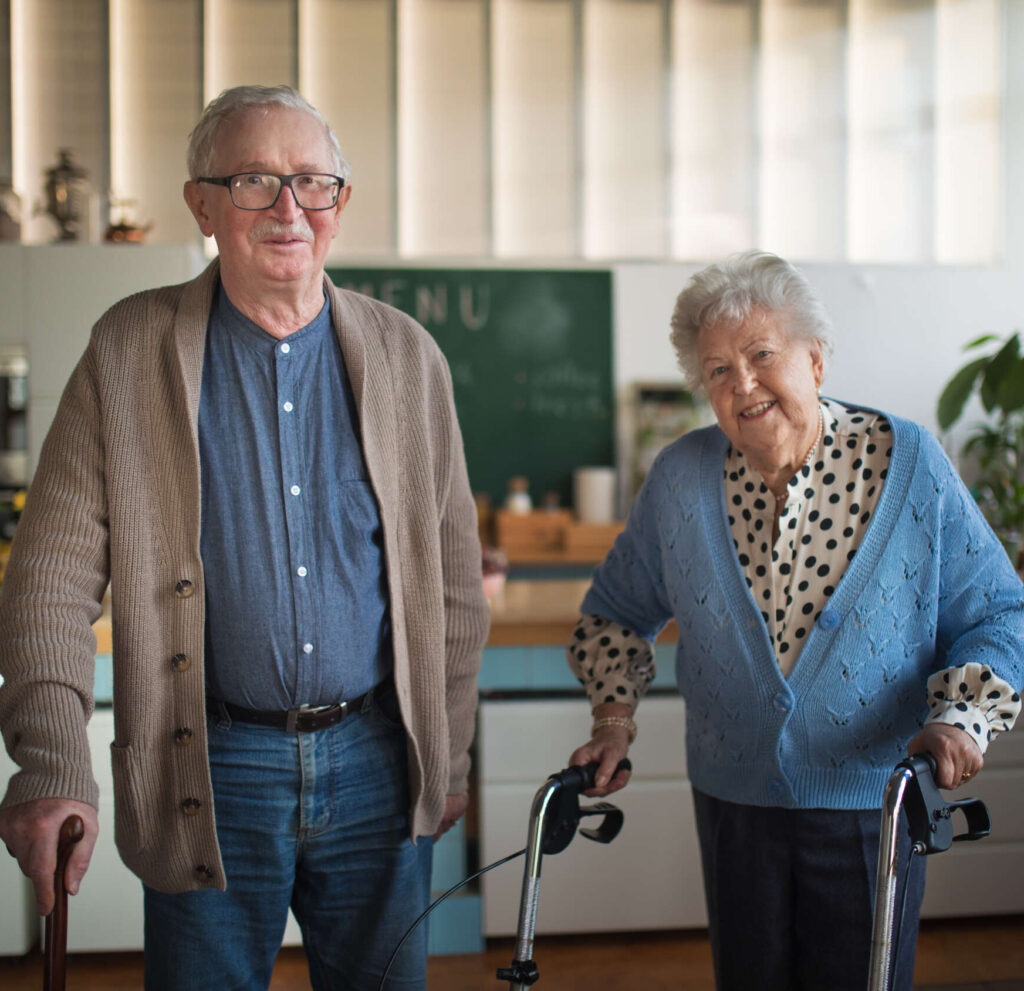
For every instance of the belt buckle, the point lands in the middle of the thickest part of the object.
(292, 719)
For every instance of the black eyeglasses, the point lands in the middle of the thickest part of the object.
(260, 190)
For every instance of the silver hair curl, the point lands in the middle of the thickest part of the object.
(730, 292)
(242, 99)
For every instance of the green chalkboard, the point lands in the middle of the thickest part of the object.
(531, 360)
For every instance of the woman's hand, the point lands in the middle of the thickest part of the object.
(957, 757)
(607, 747)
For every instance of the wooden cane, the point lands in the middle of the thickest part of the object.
(56, 944)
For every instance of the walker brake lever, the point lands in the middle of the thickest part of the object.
(565, 812)
(930, 815)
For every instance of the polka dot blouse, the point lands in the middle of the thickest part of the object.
(821, 521)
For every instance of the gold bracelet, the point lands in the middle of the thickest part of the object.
(624, 721)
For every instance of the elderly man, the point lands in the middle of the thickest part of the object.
(269, 474)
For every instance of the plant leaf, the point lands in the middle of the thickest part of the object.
(1011, 389)
(999, 367)
(978, 341)
(958, 390)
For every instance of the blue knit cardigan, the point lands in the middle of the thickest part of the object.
(930, 587)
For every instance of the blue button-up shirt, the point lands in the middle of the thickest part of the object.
(291, 541)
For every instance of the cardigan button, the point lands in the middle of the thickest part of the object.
(191, 806)
(184, 589)
(203, 872)
(829, 619)
(782, 702)
(180, 663)
(183, 736)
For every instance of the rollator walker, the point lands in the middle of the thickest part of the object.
(912, 787)
(556, 813)
(554, 816)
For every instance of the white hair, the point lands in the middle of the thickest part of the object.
(730, 292)
(243, 99)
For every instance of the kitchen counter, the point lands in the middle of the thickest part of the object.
(537, 612)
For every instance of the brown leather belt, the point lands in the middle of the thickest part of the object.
(304, 719)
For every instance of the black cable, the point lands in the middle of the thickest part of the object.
(437, 901)
(899, 918)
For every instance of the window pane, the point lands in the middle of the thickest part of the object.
(249, 42)
(624, 153)
(443, 143)
(346, 70)
(967, 132)
(155, 55)
(891, 86)
(535, 187)
(802, 94)
(713, 177)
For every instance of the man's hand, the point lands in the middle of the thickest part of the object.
(454, 808)
(957, 756)
(30, 832)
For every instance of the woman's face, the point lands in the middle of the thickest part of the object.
(762, 384)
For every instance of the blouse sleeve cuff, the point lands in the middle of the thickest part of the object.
(974, 699)
(612, 663)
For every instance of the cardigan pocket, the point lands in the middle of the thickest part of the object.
(135, 806)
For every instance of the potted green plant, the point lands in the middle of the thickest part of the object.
(995, 447)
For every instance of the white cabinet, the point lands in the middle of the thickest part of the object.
(983, 878)
(649, 877)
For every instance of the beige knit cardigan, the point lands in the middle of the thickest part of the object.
(116, 498)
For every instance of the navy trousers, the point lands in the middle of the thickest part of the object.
(790, 896)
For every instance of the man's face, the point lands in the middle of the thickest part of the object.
(262, 249)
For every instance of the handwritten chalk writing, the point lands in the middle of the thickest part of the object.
(567, 407)
(431, 304)
(566, 375)
(474, 318)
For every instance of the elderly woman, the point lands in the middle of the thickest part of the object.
(840, 602)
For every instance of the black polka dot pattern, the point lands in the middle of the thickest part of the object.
(973, 698)
(612, 663)
(827, 510)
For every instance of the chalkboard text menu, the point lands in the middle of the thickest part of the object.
(531, 359)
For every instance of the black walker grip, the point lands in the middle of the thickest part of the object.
(589, 771)
(929, 814)
(564, 813)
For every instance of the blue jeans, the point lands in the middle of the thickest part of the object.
(315, 821)
(790, 896)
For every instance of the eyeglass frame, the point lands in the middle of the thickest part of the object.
(284, 180)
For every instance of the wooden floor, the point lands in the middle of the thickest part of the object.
(970, 955)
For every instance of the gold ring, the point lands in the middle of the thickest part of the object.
(966, 776)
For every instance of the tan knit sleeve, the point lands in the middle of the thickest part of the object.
(467, 615)
(52, 590)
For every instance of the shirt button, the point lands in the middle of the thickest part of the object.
(288, 407)
(285, 348)
(307, 648)
(191, 806)
(181, 662)
(183, 736)
(295, 490)
(184, 589)
(301, 572)
(203, 872)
